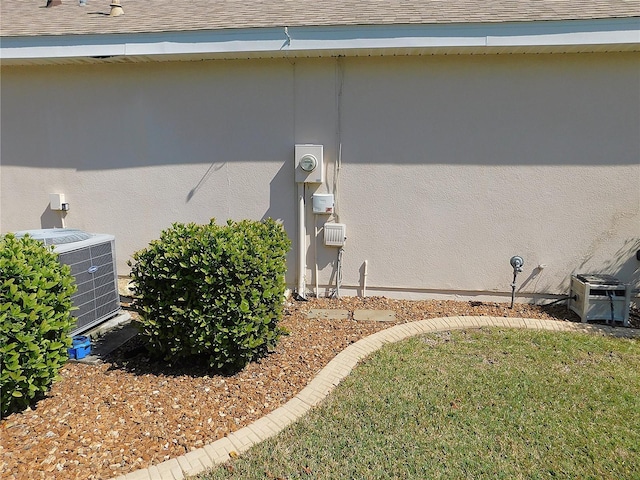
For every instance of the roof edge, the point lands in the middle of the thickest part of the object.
(619, 34)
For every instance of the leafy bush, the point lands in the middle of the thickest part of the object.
(212, 291)
(35, 319)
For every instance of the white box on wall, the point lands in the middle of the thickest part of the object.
(323, 203)
(335, 234)
(56, 200)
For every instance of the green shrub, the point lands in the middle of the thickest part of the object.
(35, 319)
(211, 291)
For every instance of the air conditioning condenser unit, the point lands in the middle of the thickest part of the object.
(93, 265)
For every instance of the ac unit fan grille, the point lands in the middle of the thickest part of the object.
(97, 296)
(92, 261)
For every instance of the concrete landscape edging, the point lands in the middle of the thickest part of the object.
(218, 452)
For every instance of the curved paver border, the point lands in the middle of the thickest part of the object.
(218, 452)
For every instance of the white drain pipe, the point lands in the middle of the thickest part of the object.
(302, 242)
(339, 272)
(364, 278)
(315, 255)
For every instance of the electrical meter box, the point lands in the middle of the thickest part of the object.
(309, 164)
(323, 203)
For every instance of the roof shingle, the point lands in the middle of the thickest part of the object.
(31, 18)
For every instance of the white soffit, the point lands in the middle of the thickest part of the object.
(621, 34)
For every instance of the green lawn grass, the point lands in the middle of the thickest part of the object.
(488, 403)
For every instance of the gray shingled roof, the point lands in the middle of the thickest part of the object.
(31, 18)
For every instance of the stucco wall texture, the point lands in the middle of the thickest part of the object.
(443, 166)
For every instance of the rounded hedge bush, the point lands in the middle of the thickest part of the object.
(35, 320)
(212, 292)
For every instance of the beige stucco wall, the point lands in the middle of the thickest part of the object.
(449, 165)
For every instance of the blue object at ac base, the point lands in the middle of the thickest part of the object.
(81, 347)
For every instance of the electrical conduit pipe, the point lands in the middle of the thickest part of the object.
(301, 242)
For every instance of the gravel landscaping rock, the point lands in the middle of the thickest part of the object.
(101, 421)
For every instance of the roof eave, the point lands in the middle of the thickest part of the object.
(605, 35)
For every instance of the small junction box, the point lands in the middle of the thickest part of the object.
(335, 234)
(323, 203)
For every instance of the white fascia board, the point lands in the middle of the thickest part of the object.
(59, 51)
(321, 41)
(232, 42)
(132, 45)
(529, 34)
(594, 32)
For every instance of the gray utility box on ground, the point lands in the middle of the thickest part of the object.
(600, 297)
